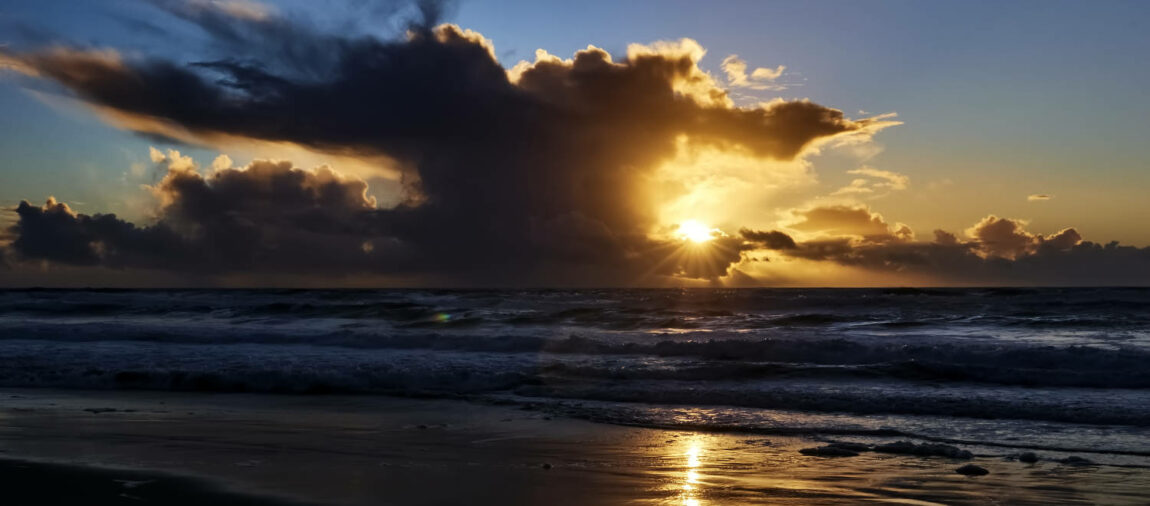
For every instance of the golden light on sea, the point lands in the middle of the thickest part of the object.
(691, 482)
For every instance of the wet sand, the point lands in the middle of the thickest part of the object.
(193, 448)
(26, 483)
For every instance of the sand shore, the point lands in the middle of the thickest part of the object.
(164, 448)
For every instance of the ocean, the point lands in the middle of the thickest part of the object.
(1062, 370)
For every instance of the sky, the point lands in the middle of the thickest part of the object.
(386, 143)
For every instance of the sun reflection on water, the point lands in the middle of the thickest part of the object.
(691, 482)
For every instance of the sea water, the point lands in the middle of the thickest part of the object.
(1057, 370)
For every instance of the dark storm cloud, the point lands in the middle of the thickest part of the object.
(525, 176)
(284, 42)
(55, 233)
(267, 217)
(272, 217)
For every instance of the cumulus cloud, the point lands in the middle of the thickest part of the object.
(761, 78)
(1008, 238)
(511, 177)
(55, 233)
(1001, 237)
(268, 216)
(856, 221)
(996, 251)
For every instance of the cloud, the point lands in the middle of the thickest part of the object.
(14, 64)
(241, 9)
(537, 175)
(1038, 197)
(173, 159)
(856, 221)
(55, 233)
(887, 179)
(877, 183)
(993, 251)
(156, 155)
(856, 187)
(1062, 240)
(268, 216)
(772, 239)
(1008, 238)
(761, 78)
(272, 217)
(544, 174)
(999, 251)
(1001, 237)
(221, 162)
(945, 238)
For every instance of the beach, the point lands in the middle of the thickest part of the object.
(516, 253)
(152, 447)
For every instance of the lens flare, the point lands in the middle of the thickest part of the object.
(696, 231)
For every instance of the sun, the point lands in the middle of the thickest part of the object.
(695, 231)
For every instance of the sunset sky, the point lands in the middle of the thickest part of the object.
(361, 143)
